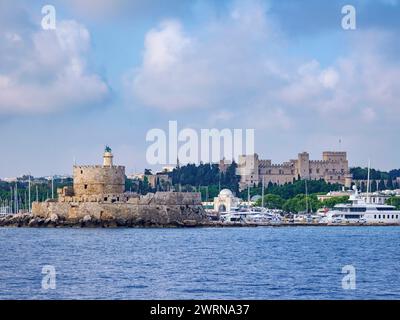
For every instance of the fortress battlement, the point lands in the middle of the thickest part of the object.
(282, 165)
(320, 161)
(333, 167)
(97, 167)
(98, 194)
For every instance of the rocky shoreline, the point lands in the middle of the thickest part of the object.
(54, 221)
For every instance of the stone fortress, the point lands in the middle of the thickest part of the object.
(98, 197)
(333, 168)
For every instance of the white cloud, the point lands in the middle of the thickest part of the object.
(241, 63)
(182, 71)
(241, 60)
(329, 78)
(171, 76)
(164, 48)
(46, 71)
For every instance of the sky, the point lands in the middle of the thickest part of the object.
(113, 70)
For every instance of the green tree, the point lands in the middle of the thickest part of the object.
(389, 184)
(382, 185)
(300, 203)
(331, 202)
(394, 201)
(271, 201)
(144, 186)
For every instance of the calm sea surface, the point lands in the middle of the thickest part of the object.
(231, 263)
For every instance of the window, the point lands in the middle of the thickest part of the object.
(352, 216)
(385, 209)
(81, 171)
(86, 186)
(375, 216)
(105, 198)
(360, 209)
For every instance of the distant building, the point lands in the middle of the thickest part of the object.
(224, 165)
(333, 194)
(375, 197)
(333, 168)
(160, 180)
(225, 201)
(168, 169)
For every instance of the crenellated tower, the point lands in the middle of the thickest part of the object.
(99, 179)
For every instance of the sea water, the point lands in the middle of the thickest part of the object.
(201, 263)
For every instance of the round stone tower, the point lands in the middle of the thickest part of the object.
(98, 180)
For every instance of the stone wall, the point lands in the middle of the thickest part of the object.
(95, 180)
(162, 208)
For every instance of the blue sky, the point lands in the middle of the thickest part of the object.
(113, 70)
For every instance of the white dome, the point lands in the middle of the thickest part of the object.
(226, 193)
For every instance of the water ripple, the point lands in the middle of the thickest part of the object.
(242, 263)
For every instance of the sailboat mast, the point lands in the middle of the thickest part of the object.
(29, 193)
(11, 199)
(368, 180)
(248, 196)
(262, 193)
(52, 187)
(306, 196)
(16, 198)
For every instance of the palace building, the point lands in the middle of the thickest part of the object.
(333, 168)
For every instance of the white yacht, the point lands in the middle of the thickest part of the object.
(251, 216)
(361, 211)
